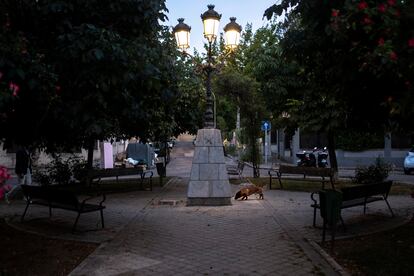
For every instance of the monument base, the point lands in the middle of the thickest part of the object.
(209, 182)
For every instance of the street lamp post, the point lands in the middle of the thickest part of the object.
(209, 182)
(211, 20)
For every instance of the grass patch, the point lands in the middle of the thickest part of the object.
(386, 253)
(313, 186)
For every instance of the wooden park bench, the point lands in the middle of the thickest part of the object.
(53, 197)
(236, 170)
(359, 195)
(95, 175)
(321, 175)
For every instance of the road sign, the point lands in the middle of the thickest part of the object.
(266, 126)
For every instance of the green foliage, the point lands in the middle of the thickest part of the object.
(350, 55)
(230, 150)
(241, 89)
(89, 70)
(377, 172)
(251, 154)
(61, 171)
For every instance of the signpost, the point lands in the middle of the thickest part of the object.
(266, 127)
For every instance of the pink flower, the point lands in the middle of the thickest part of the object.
(4, 175)
(391, 2)
(393, 56)
(411, 42)
(14, 88)
(335, 13)
(363, 5)
(382, 8)
(381, 41)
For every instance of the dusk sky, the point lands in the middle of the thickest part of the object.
(246, 11)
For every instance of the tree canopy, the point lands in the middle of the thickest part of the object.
(350, 55)
(72, 72)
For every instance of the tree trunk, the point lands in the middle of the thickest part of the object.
(331, 150)
(91, 147)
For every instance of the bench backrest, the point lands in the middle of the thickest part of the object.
(63, 197)
(291, 169)
(308, 171)
(50, 194)
(323, 172)
(366, 190)
(98, 173)
(34, 192)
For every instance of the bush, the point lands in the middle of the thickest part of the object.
(377, 172)
(61, 171)
(230, 150)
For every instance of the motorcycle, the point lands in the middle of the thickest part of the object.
(323, 158)
(306, 158)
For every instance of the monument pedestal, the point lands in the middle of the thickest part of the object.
(209, 181)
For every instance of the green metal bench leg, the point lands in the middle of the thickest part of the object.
(270, 182)
(280, 182)
(76, 222)
(389, 207)
(25, 210)
(102, 219)
(314, 216)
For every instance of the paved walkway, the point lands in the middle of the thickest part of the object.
(143, 236)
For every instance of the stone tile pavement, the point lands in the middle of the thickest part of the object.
(242, 239)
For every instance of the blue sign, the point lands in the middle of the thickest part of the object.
(266, 126)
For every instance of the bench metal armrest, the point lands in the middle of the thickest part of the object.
(315, 201)
(273, 172)
(91, 197)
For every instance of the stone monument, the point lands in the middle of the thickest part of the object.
(209, 181)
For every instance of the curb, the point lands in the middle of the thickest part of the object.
(337, 267)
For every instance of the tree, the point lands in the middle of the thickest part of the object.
(241, 89)
(280, 79)
(335, 66)
(86, 71)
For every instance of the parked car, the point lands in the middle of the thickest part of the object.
(409, 162)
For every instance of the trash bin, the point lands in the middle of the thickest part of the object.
(330, 203)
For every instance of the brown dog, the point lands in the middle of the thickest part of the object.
(249, 190)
